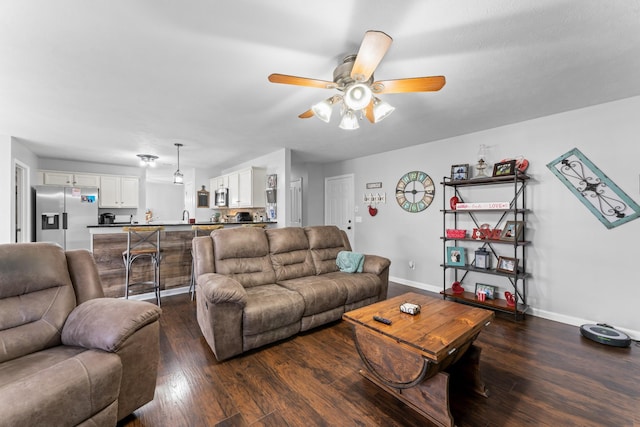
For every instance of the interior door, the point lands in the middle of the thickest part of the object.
(339, 203)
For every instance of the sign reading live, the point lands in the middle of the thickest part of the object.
(482, 205)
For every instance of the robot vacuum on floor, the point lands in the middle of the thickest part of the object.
(605, 334)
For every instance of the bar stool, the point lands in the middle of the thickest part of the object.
(196, 228)
(143, 243)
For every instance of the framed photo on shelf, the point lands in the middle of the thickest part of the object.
(460, 172)
(455, 256)
(504, 168)
(489, 290)
(512, 230)
(507, 265)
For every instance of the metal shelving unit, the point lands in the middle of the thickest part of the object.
(517, 211)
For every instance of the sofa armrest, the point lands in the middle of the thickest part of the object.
(107, 323)
(375, 264)
(221, 289)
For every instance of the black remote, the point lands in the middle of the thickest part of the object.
(382, 320)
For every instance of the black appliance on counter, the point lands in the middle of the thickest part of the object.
(107, 218)
(243, 217)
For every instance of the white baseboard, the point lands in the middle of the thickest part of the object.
(165, 293)
(556, 317)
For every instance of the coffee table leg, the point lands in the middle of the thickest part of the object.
(468, 367)
(430, 398)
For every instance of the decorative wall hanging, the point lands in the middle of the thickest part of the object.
(415, 191)
(594, 189)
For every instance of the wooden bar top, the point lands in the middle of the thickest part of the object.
(439, 328)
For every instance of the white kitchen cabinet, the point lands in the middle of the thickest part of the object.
(69, 179)
(247, 188)
(118, 191)
(219, 182)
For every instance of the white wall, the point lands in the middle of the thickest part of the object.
(166, 201)
(581, 271)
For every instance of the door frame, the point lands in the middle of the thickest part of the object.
(22, 202)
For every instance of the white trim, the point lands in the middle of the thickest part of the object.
(165, 293)
(26, 200)
(543, 314)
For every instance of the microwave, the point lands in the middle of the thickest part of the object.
(222, 197)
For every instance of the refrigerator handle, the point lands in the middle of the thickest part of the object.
(64, 220)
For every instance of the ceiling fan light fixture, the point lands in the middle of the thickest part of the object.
(381, 109)
(178, 178)
(349, 121)
(357, 96)
(147, 160)
(322, 110)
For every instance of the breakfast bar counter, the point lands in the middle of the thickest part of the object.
(110, 240)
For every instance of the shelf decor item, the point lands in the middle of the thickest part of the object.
(504, 168)
(489, 290)
(460, 172)
(483, 259)
(456, 256)
(456, 234)
(507, 265)
(605, 200)
(512, 230)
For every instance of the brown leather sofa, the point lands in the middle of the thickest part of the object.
(256, 286)
(69, 356)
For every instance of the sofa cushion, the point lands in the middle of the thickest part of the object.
(320, 293)
(59, 386)
(325, 241)
(35, 298)
(243, 253)
(270, 307)
(359, 286)
(290, 255)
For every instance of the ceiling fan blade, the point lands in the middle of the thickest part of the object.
(368, 112)
(301, 81)
(306, 114)
(372, 49)
(415, 84)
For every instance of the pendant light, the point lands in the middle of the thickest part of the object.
(178, 178)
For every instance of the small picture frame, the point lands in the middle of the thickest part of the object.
(490, 291)
(460, 172)
(504, 168)
(456, 256)
(512, 230)
(507, 265)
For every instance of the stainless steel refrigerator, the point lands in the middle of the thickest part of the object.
(63, 213)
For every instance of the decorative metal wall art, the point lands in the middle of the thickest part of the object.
(611, 205)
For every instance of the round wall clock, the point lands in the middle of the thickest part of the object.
(415, 191)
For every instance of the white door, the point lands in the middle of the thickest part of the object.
(295, 197)
(339, 203)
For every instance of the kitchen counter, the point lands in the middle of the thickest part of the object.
(176, 224)
(108, 241)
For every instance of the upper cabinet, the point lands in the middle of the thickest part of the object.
(246, 187)
(70, 179)
(118, 191)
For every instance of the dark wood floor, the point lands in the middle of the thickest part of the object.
(538, 372)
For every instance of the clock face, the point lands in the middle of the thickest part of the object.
(415, 191)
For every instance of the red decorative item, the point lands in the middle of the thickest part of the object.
(511, 300)
(373, 211)
(456, 288)
(453, 202)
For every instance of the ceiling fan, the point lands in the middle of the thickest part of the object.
(354, 78)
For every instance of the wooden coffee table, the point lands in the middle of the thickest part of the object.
(409, 357)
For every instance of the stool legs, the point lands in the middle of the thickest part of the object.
(155, 261)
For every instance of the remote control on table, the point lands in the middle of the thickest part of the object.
(382, 320)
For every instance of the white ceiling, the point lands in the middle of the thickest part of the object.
(103, 80)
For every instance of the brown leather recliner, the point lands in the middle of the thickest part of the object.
(69, 356)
